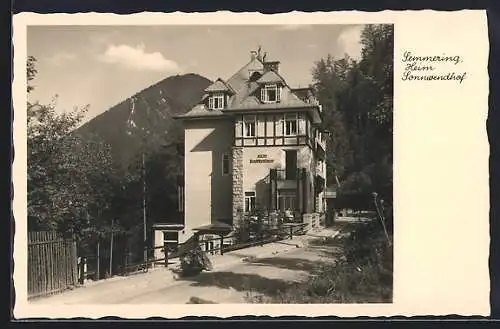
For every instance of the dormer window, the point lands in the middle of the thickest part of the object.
(216, 101)
(254, 75)
(270, 93)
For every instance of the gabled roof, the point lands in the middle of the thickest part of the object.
(249, 101)
(303, 92)
(200, 110)
(219, 85)
(240, 78)
(271, 77)
(245, 93)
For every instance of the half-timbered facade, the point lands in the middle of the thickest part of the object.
(252, 142)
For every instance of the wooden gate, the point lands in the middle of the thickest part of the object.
(52, 263)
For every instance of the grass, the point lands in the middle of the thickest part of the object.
(362, 272)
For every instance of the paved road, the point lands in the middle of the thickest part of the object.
(226, 284)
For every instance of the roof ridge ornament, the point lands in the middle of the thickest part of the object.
(259, 53)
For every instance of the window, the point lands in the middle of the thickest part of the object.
(270, 94)
(216, 102)
(250, 126)
(249, 201)
(226, 164)
(290, 124)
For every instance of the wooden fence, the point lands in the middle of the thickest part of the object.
(52, 263)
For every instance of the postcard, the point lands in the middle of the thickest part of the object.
(336, 162)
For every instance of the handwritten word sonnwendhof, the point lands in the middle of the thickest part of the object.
(431, 67)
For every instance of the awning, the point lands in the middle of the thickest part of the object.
(330, 195)
(168, 226)
(215, 227)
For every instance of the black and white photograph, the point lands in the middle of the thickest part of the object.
(210, 164)
(296, 164)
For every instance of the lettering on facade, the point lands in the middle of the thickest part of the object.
(261, 158)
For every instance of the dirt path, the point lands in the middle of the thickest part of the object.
(228, 283)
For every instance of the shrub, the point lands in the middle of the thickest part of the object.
(364, 274)
(252, 226)
(194, 261)
(242, 229)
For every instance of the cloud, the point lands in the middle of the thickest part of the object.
(137, 58)
(349, 41)
(103, 38)
(61, 58)
(294, 27)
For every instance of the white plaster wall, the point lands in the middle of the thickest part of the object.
(205, 142)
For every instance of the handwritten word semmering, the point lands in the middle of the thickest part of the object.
(409, 57)
(420, 67)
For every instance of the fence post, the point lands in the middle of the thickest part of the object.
(221, 245)
(291, 232)
(125, 268)
(98, 275)
(74, 253)
(165, 250)
(111, 250)
(84, 265)
(146, 265)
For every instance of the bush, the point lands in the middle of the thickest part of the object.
(242, 229)
(364, 274)
(194, 261)
(251, 227)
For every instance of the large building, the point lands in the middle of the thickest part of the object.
(252, 142)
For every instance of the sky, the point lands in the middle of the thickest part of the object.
(101, 66)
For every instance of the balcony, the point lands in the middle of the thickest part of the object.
(312, 100)
(286, 179)
(284, 174)
(320, 140)
(320, 169)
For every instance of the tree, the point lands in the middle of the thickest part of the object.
(328, 76)
(66, 174)
(357, 104)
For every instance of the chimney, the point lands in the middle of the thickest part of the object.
(253, 55)
(272, 66)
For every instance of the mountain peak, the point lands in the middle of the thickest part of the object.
(149, 111)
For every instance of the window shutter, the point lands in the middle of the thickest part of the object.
(211, 103)
(263, 94)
